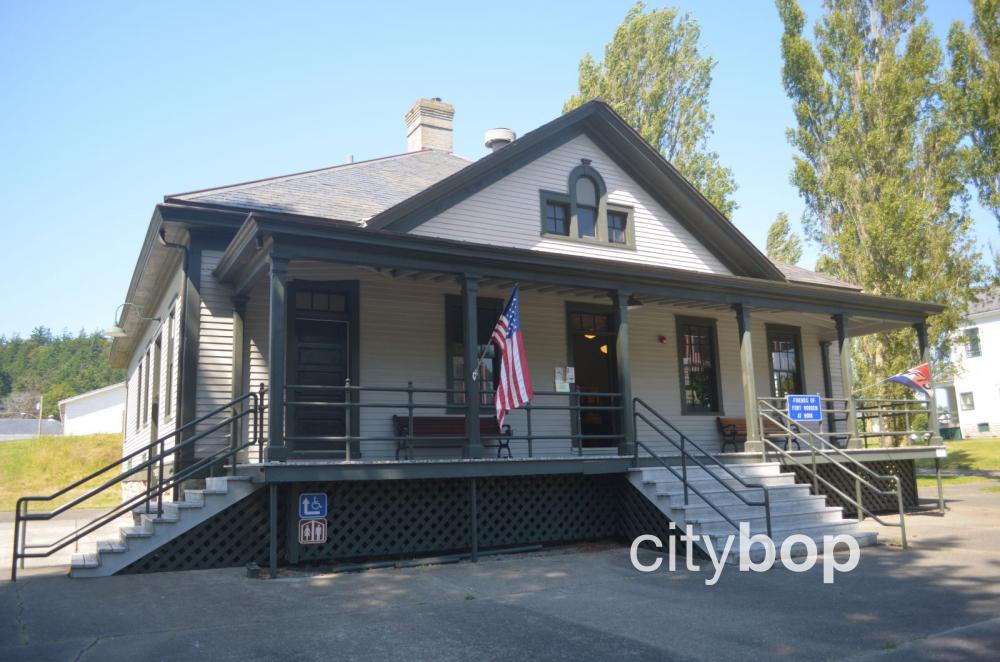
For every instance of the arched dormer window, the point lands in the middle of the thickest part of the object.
(584, 214)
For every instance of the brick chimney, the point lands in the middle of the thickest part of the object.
(429, 125)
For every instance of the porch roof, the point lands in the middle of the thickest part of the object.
(266, 236)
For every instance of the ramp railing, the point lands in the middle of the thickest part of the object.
(819, 446)
(643, 412)
(148, 462)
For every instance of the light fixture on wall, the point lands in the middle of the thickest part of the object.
(116, 330)
(633, 303)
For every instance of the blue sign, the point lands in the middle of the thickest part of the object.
(312, 505)
(805, 408)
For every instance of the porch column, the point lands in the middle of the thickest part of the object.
(754, 443)
(933, 425)
(470, 340)
(277, 320)
(847, 379)
(627, 444)
(239, 316)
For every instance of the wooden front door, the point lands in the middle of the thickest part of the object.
(319, 357)
(592, 337)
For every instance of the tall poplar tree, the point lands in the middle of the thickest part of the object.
(654, 76)
(782, 243)
(879, 165)
(975, 99)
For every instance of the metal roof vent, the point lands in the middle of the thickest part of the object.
(497, 138)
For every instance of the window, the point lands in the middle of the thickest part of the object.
(145, 393)
(784, 346)
(698, 362)
(557, 218)
(983, 427)
(586, 207)
(169, 395)
(487, 313)
(617, 223)
(968, 402)
(972, 347)
(138, 396)
(584, 213)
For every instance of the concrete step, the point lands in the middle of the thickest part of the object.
(716, 525)
(702, 511)
(151, 531)
(812, 531)
(693, 470)
(720, 495)
(84, 561)
(709, 482)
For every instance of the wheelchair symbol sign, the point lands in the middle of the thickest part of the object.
(312, 505)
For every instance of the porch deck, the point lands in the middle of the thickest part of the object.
(297, 470)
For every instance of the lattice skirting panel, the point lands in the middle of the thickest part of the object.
(234, 537)
(397, 519)
(874, 502)
(407, 518)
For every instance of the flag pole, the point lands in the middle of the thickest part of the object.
(482, 355)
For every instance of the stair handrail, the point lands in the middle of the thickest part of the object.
(685, 454)
(797, 433)
(22, 516)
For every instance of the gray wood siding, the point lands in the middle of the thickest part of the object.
(402, 338)
(507, 213)
(213, 385)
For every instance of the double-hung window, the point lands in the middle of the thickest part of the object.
(784, 346)
(487, 313)
(698, 363)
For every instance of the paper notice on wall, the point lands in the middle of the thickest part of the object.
(562, 386)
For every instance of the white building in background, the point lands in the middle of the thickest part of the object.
(94, 412)
(977, 382)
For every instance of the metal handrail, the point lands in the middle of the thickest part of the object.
(22, 516)
(685, 454)
(813, 470)
(411, 407)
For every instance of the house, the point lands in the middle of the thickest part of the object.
(976, 385)
(315, 348)
(99, 411)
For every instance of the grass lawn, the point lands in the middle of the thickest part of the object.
(42, 466)
(976, 454)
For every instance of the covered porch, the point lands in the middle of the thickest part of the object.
(362, 340)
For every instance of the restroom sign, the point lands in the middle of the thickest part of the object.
(805, 408)
(312, 531)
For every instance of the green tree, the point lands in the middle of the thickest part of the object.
(879, 164)
(975, 98)
(782, 243)
(654, 76)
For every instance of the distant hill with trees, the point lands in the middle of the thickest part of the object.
(56, 367)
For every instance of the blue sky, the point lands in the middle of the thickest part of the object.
(109, 106)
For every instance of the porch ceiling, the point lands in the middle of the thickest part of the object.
(822, 323)
(421, 258)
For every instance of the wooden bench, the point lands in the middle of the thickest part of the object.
(435, 432)
(734, 433)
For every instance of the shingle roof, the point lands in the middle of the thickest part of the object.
(349, 192)
(798, 274)
(986, 303)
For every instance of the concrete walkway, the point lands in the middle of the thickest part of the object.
(940, 600)
(48, 531)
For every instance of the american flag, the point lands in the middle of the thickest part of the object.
(515, 380)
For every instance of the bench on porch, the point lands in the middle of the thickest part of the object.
(434, 432)
(734, 433)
